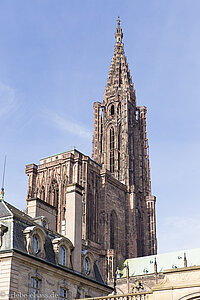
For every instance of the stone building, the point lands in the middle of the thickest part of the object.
(38, 263)
(167, 276)
(118, 209)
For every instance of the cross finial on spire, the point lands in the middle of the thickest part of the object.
(118, 33)
(118, 21)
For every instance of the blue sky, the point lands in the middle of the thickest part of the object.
(54, 61)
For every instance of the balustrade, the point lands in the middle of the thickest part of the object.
(137, 296)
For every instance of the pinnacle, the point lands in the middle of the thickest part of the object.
(118, 21)
(118, 33)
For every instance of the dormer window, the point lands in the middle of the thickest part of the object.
(63, 247)
(87, 266)
(112, 110)
(62, 256)
(35, 244)
(3, 229)
(88, 261)
(35, 240)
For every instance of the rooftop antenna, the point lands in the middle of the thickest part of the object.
(3, 179)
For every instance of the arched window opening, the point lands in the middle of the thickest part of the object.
(56, 198)
(112, 110)
(112, 150)
(63, 224)
(119, 109)
(91, 213)
(42, 193)
(53, 193)
(62, 255)
(113, 230)
(129, 116)
(119, 146)
(35, 244)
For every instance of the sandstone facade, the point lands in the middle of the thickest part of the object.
(41, 271)
(118, 209)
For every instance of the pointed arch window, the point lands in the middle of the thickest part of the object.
(112, 150)
(119, 109)
(53, 193)
(112, 110)
(119, 146)
(42, 193)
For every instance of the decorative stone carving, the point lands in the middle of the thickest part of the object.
(38, 233)
(67, 244)
(117, 177)
(3, 229)
(88, 260)
(137, 287)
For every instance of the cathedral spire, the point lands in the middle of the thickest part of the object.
(118, 33)
(119, 77)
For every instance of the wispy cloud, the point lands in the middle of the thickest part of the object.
(69, 126)
(7, 99)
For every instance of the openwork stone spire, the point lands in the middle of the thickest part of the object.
(120, 147)
(119, 75)
(119, 33)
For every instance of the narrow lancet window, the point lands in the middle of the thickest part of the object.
(53, 193)
(42, 193)
(112, 150)
(112, 110)
(119, 110)
(119, 146)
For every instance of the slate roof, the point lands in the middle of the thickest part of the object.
(21, 221)
(4, 210)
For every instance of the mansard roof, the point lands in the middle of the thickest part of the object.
(14, 223)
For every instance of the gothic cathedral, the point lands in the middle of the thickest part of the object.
(118, 210)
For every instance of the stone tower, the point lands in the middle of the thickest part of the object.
(120, 145)
(118, 210)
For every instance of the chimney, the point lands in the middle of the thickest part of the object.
(37, 208)
(73, 217)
